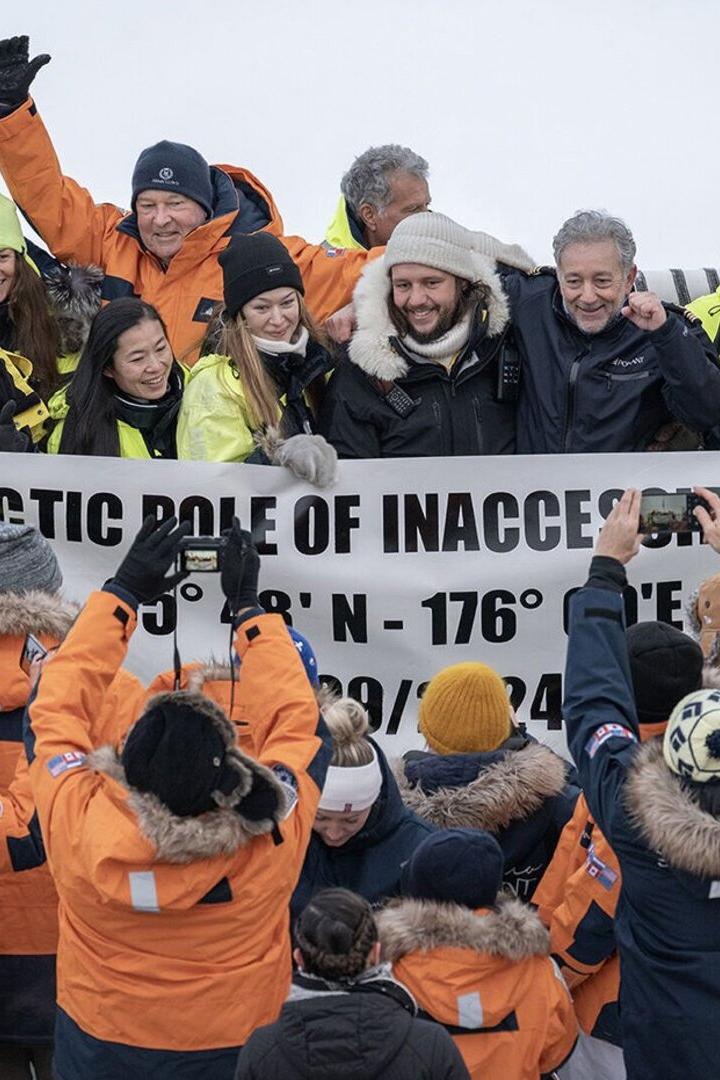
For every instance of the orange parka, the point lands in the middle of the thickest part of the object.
(174, 932)
(77, 229)
(28, 900)
(487, 977)
(577, 899)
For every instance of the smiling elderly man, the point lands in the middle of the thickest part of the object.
(184, 214)
(603, 367)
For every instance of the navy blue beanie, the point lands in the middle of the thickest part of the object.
(173, 167)
(458, 866)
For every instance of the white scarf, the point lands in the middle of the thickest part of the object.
(277, 348)
(446, 348)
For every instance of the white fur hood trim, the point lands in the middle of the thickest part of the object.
(370, 346)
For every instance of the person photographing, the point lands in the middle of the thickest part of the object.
(176, 855)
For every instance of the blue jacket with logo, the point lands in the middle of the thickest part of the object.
(667, 923)
(607, 392)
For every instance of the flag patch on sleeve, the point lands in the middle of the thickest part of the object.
(607, 731)
(61, 763)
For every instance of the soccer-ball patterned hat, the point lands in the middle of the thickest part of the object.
(691, 744)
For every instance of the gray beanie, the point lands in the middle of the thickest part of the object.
(27, 562)
(433, 240)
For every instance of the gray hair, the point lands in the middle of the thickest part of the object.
(368, 178)
(589, 226)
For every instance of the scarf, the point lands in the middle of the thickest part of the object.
(156, 420)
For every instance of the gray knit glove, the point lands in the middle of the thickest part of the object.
(309, 457)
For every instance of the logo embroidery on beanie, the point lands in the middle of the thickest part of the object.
(62, 762)
(166, 173)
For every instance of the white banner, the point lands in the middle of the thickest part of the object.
(403, 567)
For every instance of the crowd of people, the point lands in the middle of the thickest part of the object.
(222, 875)
(193, 326)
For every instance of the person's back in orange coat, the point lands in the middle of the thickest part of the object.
(477, 963)
(174, 927)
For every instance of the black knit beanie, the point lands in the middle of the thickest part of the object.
(665, 665)
(254, 264)
(455, 866)
(173, 167)
(176, 751)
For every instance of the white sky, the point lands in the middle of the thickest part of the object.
(525, 110)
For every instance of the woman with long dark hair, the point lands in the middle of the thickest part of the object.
(346, 1015)
(263, 378)
(27, 326)
(124, 397)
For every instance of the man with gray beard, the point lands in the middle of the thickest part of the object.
(604, 367)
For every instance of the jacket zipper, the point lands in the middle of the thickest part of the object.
(570, 403)
(628, 377)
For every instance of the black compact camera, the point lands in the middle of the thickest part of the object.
(201, 554)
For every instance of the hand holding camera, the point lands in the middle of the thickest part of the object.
(143, 571)
(240, 569)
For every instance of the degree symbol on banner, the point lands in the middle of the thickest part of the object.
(192, 592)
(531, 599)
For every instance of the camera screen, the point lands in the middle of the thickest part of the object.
(664, 513)
(201, 560)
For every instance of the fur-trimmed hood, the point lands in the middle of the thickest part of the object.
(36, 613)
(512, 930)
(668, 817)
(217, 832)
(370, 346)
(510, 789)
(74, 294)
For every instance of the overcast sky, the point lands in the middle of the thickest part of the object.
(526, 111)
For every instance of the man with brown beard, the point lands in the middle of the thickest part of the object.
(424, 369)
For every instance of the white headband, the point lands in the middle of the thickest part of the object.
(349, 788)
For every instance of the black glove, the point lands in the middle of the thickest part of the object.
(142, 571)
(17, 71)
(240, 569)
(12, 439)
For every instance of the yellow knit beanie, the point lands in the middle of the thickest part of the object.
(465, 709)
(11, 231)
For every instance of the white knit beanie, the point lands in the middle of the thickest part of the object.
(432, 240)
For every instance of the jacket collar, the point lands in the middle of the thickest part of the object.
(512, 788)
(511, 930)
(668, 817)
(371, 346)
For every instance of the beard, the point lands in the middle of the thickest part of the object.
(446, 321)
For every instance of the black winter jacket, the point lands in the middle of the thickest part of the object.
(523, 793)
(360, 1032)
(444, 414)
(369, 863)
(607, 392)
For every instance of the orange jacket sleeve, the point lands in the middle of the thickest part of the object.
(63, 213)
(562, 1029)
(276, 701)
(329, 274)
(64, 714)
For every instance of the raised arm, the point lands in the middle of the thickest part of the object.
(63, 213)
(599, 706)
